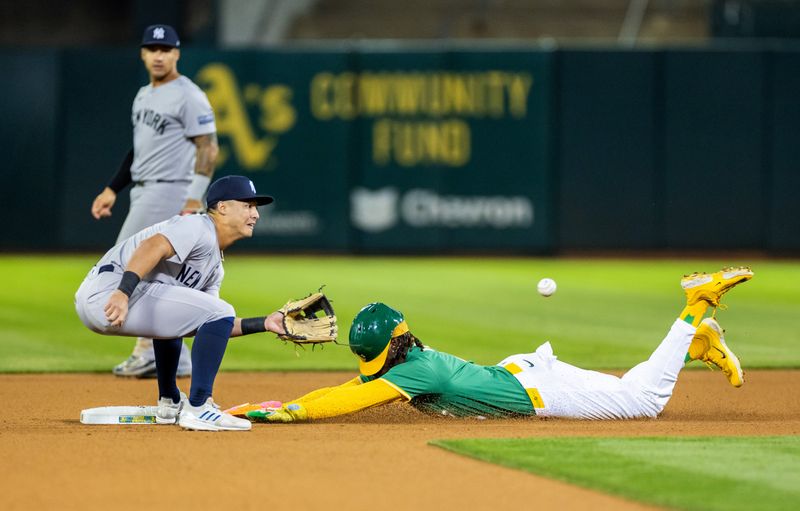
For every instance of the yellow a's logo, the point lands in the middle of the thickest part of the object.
(251, 150)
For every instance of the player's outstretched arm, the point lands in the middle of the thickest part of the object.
(207, 150)
(149, 253)
(272, 323)
(340, 400)
(316, 394)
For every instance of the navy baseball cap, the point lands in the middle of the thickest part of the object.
(235, 188)
(162, 35)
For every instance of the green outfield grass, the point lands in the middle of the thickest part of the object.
(606, 313)
(712, 473)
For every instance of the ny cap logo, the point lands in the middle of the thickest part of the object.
(158, 33)
(253, 187)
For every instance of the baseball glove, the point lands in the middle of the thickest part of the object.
(310, 320)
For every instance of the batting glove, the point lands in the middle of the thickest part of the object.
(288, 413)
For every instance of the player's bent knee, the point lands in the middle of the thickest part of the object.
(94, 319)
(225, 310)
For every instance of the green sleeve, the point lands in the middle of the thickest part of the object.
(414, 377)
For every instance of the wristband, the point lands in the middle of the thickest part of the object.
(128, 283)
(253, 325)
(198, 187)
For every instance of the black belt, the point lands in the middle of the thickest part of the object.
(142, 183)
(105, 268)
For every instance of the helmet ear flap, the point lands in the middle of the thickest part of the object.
(393, 351)
(398, 352)
(371, 333)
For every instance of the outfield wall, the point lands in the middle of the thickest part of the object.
(418, 149)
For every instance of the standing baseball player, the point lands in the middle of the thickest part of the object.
(163, 283)
(170, 165)
(396, 366)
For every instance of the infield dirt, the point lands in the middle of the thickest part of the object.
(378, 459)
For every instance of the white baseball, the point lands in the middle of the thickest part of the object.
(546, 287)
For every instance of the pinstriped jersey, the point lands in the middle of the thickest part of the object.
(197, 262)
(164, 119)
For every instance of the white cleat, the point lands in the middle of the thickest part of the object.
(208, 417)
(168, 411)
(136, 367)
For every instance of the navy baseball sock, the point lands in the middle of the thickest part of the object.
(207, 352)
(168, 352)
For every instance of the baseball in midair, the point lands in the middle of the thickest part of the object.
(546, 287)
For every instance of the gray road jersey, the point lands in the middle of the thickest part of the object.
(197, 262)
(164, 118)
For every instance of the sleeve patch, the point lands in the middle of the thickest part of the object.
(205, 119)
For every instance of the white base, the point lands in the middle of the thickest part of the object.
(119, 415)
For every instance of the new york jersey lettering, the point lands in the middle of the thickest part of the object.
(188, 276)
(152, 119)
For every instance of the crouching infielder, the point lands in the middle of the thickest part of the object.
(396, 366)
(163, 283)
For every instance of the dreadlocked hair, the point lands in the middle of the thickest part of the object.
(398, 351)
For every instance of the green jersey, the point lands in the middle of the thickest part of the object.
(438, 382)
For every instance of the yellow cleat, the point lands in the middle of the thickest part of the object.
(711, 286)
(708, 345)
